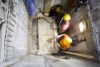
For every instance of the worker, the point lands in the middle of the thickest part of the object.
(64, 41)
(55, 10)
(64, 23)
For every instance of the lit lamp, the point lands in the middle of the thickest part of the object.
(81, 27)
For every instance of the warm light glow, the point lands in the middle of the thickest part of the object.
(81, 27)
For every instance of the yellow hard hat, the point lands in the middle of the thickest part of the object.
(65, 42)
(58, 9)
(67, 39)
(67, 17)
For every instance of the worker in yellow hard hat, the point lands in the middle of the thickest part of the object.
(64, 23)
(55, 10)
(64, 41)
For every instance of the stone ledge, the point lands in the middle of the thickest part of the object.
(79, 55)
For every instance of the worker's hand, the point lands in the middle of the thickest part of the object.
(39, 15)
